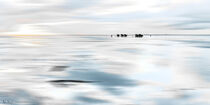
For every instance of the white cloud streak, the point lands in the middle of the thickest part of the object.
(104, 16)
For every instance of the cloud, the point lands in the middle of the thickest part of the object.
(107, 16)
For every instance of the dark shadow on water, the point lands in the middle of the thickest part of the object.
(67, 83)
(75, 81)
(111, 83)
(59, 68)
(106, 79)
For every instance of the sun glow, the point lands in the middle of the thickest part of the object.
(28, 30)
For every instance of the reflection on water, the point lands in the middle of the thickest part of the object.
(86, 70)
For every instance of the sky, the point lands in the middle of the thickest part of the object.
(104, 16)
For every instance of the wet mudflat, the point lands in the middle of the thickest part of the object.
(104, 70)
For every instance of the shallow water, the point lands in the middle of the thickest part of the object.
(104, 70)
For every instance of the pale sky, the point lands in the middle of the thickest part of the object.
(104, 16)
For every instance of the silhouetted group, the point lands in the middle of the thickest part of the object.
(125, 35)
(122, 35)
(138, 35)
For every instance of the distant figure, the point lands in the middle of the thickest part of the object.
(123, 35)
(139, 35)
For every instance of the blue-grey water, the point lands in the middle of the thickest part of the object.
(104, 70)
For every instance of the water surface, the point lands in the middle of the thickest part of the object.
(104, 70)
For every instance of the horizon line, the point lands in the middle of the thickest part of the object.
(146, 34)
